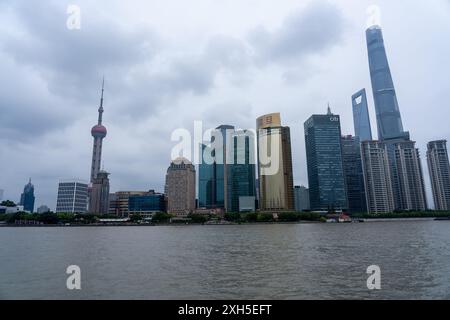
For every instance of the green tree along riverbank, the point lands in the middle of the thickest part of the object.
(51, 218)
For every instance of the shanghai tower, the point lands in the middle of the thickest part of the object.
(404, 158)
(98, 133)
(389, 120)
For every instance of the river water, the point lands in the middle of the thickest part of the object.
(286, 261)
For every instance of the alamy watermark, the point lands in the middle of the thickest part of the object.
(73, 282)
(227, 145)
(73, 21)
(374, 279)
(374, 16)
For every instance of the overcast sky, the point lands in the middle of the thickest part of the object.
(168, 63)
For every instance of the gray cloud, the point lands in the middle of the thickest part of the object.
(313, 30)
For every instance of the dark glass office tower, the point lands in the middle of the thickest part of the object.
(327, 187)
(27, 197)
(388, 113)
(354, 177)
(361, 119)
(230, 172)
(222, 168)
(243, 169)
(206, 180)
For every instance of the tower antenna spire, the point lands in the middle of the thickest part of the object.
(100, 109)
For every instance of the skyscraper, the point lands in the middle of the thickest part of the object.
(354, 178)
(222, 168)
(377, 177)
(1, 194)
(242, 165)
(180, 187)
(276, 182)
(98, 133)
(361, 119)
(72, 197)
(27, 197)
(214, 171)
(227, 169)
(389, 120)
(406, 189)
(410, 177)
(327, 187)
(99, 196)
(439, 168)
(206, 181)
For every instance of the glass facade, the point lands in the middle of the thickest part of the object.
(361, 119)
(276, 183)
(27, 198)
(354, 177)
(324, 159)
(147, 203)
(206, 180)
(243, 169)
(227, 170)
(388, 113)
(72, 197)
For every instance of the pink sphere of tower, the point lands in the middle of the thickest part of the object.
(99, 131)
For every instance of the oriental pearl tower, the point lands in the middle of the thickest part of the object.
(98, 133)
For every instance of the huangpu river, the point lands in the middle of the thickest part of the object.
(274, 261)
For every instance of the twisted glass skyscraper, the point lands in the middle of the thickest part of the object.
(389, 120)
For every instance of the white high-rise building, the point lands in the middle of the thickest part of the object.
(439, 168)
(377, 177)
(72, 197)
(409, 182)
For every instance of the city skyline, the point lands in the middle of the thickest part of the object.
(129, 133)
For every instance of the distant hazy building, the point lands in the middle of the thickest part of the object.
(99, 196)
(410, 177)
(327, 189)
(112, 209)
(11, 210)
(276, 183)
(377, 177)
(27, 198)
(180, 187)
(353, 173)
(361, 119)
(301, 198)
(439, 168)
(1, 194)
(72, 197)
(43, 209)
